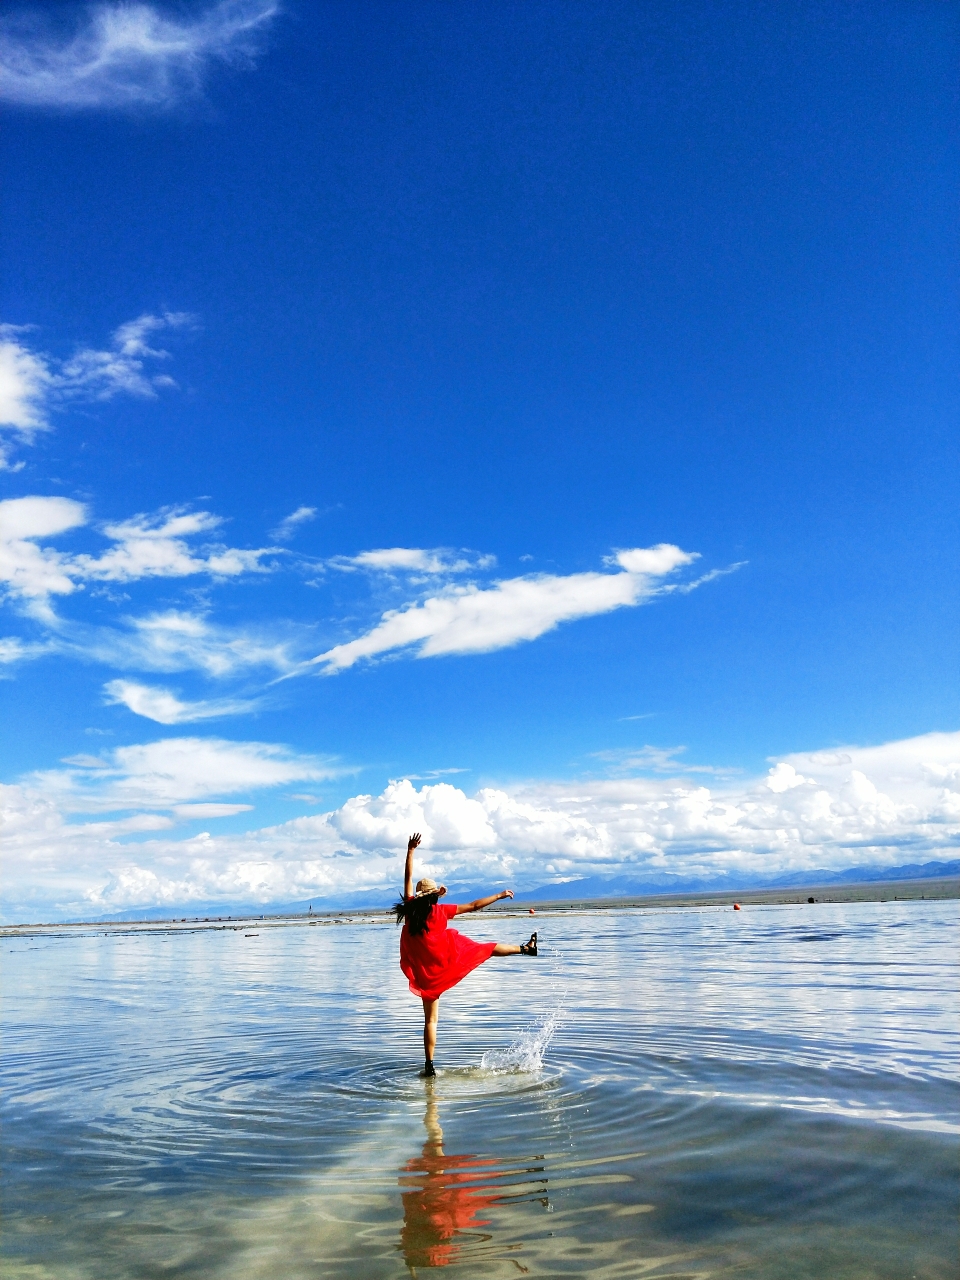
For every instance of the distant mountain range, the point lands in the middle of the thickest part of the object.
(590, 888)
(597, 887)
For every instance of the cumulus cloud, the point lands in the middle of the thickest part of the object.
(126, 55)
(879, 806)
(144, 547)
(33, 383)
(473, 619)
(27, 571)
(164, 707)
(784, 777)
(155, 547)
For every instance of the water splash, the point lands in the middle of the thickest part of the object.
(526, 1052)
(528, 1048)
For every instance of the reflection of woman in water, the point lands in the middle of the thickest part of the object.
(435, 958)
(441, 1198)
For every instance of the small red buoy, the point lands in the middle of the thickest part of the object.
(532, 912)
(736, 906)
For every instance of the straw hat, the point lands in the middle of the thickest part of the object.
(427, 886)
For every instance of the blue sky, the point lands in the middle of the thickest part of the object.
(576, 382)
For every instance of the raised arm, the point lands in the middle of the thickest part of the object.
(480, 903)
(408, 869)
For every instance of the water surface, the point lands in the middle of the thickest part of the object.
(768, 1093)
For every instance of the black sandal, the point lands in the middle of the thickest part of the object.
(529, 948)
(428, 1068)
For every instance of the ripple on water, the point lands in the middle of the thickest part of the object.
(665, 1093)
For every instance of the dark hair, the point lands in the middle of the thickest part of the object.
(414, 912)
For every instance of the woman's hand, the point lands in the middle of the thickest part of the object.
(484, 902)
(408, 868)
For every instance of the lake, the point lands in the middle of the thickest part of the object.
(661, 1093)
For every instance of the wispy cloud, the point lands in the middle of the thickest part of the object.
(126, 55)
(168, 641)
(431, 775)
(164, 707)
(414, 560)
(472, 619)
(174, 772)
(289, 525)
(180, 640)
(174, 544)
(13, 650)
(684, 588)
(629, 760)
(33, 384)
(144, 547)
(25, 382)
(100, 375)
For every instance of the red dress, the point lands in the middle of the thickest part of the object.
(436, 960)
(442, 1200)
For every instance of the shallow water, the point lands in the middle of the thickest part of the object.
(768, 1093)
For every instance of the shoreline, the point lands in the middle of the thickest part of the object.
(935, 889)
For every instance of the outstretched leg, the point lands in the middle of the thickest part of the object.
(509, 949)
(431, 1014)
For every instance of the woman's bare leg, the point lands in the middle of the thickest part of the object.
(431, 1013)
(510, 949)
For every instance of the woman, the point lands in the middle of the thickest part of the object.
(435, 958)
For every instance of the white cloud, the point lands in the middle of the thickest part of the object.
(127, 55)
(413, 560)
(13, 650)
(25, 382)
(145, 547)
(890, 804)
(289, 524)
(173, 772)
(101, 375)
(880, 806)
(163, 707)
(651, 562)
(175, 543)
(654, 759)
(27, 571)
(784, 777)
(177, 640)
(33, 383)
(472, 619)
(205, 811)
(168, 641)
(154, 547)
